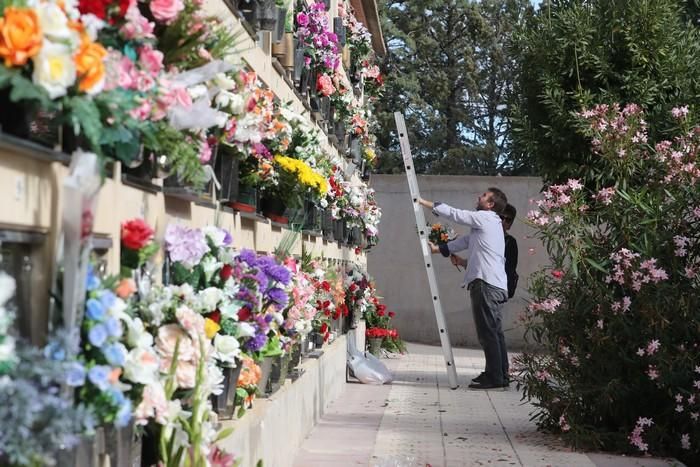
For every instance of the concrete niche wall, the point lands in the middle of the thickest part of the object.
(396, 263)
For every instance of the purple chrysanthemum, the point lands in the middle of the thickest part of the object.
(279, 273)
(248, 256)
(278, 296)
(256, 342)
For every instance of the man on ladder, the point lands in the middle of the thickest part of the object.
(485, 277)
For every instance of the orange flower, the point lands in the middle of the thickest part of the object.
(89, 62)
(126, 287)
(250, 373)
(20, 36)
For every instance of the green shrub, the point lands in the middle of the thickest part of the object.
(617, 315)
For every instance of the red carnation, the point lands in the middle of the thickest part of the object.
(327, 312)
(244, 314)
(136, 234)
(391, 314)
(352, 287)
(215, 316)
(226, 272)
(326, 286)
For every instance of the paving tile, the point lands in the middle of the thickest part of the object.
(419, 421)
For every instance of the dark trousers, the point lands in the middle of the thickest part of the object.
(487, 302)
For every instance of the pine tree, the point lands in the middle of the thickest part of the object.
(449, 73)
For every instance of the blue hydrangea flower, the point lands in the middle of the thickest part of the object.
(95, 310)
(99, 376)
(115, 354)
(55, 351)
(123, 416)
(75, 374)
(108, 299)
(98, 335)
(124, 408)
(114, 327)
(91, 281)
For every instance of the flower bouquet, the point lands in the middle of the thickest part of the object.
(440, 234)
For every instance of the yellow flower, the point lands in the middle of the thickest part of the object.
(210, 328)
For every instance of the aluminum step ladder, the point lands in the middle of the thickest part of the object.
(427, 255)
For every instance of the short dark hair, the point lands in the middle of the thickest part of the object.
(509, 212)
(499, 200)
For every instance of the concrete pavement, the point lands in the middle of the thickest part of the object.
(418, 421)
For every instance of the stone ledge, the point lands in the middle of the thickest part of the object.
(274, 429)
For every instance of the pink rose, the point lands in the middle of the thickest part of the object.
(168, 336)
(324, 85)
(153, 405)
(166, 10)
(136, 25)
(191, 321)
(185, 372)
(205, 153)
(144, 82)
(151, 59)
(127, 72)
(180, 96)
(142, 112)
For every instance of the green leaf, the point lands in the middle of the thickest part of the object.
(223, 434)
(596, 265)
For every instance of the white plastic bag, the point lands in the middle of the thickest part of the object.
(368, 369)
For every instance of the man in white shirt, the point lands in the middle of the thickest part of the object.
(485, 277)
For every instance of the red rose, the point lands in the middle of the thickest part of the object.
(352, 287)
(136, 234)
(327, 312)
(391, 314)
(324, 328)
(380, 313)
(104, 8)
(244, 314)
(381, 307)
(215, 316)
(326, 286)
(226, 272)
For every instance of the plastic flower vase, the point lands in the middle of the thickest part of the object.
(224, 403)
(375, 345)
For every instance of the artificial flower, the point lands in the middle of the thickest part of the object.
(90, 66)
(166, 11)
(54, 69)
(136, 234)
(20, 36)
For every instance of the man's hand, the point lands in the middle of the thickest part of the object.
(426, 203)
(458, 261)
(433, 248)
